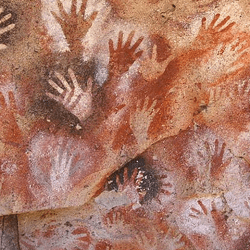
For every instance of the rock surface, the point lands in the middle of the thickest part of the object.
(125, 124)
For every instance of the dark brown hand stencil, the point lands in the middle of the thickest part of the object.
(74, 26)
(124, 56)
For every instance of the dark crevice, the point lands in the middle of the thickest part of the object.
(2, 218)
(17, 227)
(10, 233)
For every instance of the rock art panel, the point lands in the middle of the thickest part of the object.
(184, 192)
(136, 111)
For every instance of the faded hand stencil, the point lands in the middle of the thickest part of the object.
(136, 110)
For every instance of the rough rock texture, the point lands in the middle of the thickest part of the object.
(9, 234)
(126, 123)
